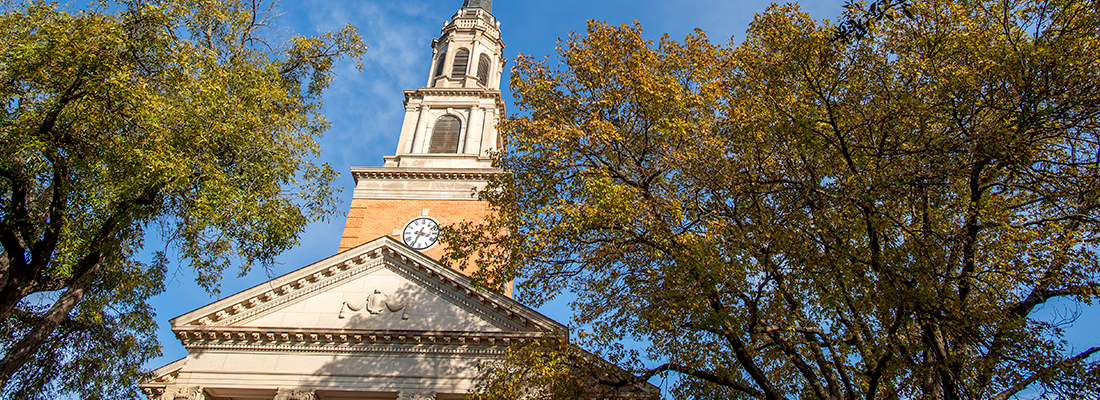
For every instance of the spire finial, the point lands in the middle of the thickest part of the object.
(486, 5)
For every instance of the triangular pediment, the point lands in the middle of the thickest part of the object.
(380, 298)
(379, 286)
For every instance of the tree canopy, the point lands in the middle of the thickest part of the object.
(189, 119)
(794, 216)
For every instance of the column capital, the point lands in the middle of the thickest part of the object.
(412, 395)
(183, 393)
(295, 394)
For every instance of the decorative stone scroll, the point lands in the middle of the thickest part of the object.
(295, 394)
(416, 396)
(183, 393)
(377, 303)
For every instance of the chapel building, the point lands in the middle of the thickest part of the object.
(381, 319)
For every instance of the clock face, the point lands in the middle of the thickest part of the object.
(421, 233)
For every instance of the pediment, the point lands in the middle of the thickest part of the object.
(378, 299)
(379, 286)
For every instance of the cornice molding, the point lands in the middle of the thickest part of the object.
(424, 174)
(281, 290)
(452, 91)
(464, 22)
(353, 341)
(161, 378)
(465, 297)
(289, 292)
(480, 93)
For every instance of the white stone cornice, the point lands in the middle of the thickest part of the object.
(477, 93)
(467, 297)
(466, 22)
(162, 378)
(497, 308)
(353, 341)
(278, 291)
(460, 174)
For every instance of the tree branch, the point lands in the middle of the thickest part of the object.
(4, 263)
(970, 239)
(29, 344)
(1041, 294)
(877, 373)
(683, 369)
(801, 365)
(43, 249)
(13, 243)
(741, 352)
(17, 228)
(1043, 372)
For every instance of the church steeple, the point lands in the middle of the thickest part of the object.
(451, 122)
(468, 51)
(443, 152)
(486, 5)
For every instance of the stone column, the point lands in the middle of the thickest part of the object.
(421, 131)
(183, 393)
(415, 395)
(498, 70)
(408, 129)
(431, 67)
(295, 394)
(464, 143)
(488, 131)
(472, 65)
(449, 63)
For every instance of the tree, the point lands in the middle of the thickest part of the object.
(860, 16)
(553, 368)
(800, 217)
(190, 118)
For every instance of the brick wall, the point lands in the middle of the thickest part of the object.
(369, 219)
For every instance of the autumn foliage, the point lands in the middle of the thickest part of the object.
(190, 123)
(794, 216)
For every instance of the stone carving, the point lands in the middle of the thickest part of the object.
(377, 303)
(183, 393)
(295, 394)
(416, 396)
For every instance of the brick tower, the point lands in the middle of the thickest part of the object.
(442, 153)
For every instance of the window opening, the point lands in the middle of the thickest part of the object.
(439, 66)
(445, 135)
(483, 70)
(462, 60)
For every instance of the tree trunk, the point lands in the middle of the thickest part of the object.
(30, 343)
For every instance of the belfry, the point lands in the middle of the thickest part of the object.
(381, 319)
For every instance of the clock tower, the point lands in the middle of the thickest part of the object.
(442, 153)
(382, 319)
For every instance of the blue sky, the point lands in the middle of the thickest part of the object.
(365, 107)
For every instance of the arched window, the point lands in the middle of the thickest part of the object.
(445, 135)
(439, 66)
(483, 70)
(462, 60)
